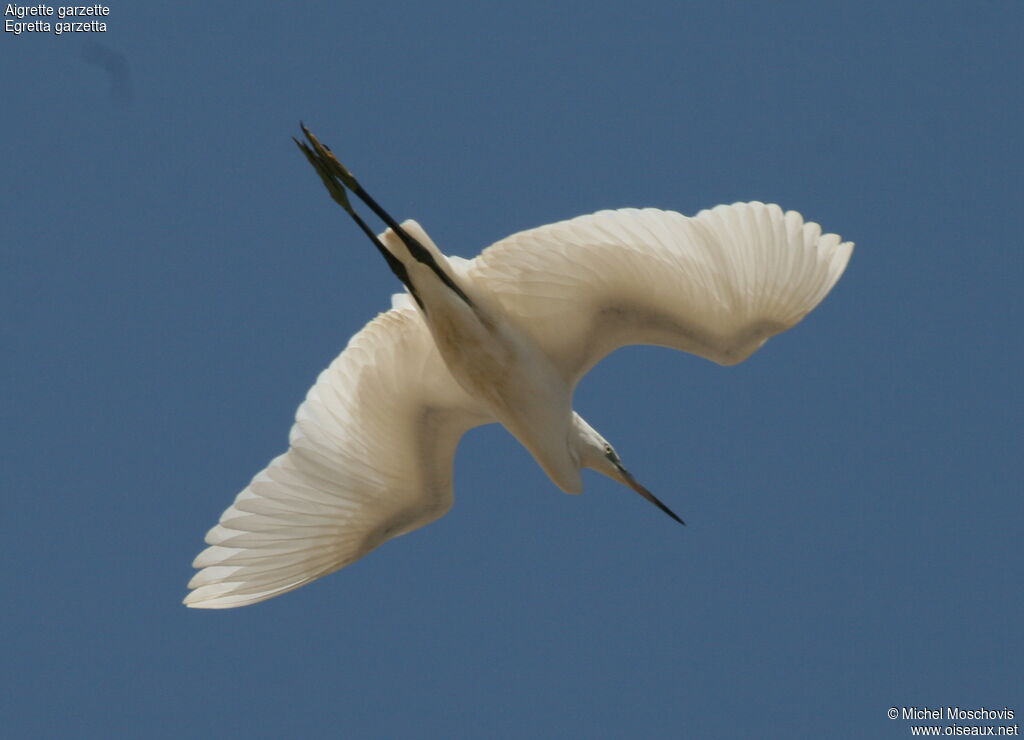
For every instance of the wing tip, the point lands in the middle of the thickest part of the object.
(225, 595)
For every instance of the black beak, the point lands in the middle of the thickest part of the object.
(632, 483)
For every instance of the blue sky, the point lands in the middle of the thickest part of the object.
(174, 278)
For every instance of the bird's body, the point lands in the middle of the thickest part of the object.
(501, 338)
(495, 361)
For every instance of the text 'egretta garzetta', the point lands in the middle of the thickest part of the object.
(504, 337)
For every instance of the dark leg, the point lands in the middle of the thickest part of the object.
(337, 193)
(336, 179)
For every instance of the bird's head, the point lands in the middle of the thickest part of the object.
(595, 452)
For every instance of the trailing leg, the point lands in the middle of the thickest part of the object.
(336, 178)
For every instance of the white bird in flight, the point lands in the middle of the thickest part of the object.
(504, 337)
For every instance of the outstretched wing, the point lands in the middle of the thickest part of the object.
(717, 285)
(370, 459)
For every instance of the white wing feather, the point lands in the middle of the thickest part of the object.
(717, 285)
(370, 458)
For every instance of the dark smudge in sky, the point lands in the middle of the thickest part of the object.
(115, 64)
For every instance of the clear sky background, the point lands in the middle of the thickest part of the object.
(174, 278)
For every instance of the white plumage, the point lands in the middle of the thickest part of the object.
(372, 447)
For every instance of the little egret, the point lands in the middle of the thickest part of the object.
(504, 337)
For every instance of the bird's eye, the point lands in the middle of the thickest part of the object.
(609, 452)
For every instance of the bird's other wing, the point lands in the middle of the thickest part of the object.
(370, 458)
(717, 285)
